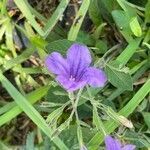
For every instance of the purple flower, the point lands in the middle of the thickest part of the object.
(114, 144)
(74, 71)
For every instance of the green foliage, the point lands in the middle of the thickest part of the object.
(147, 13)
(146, 116)
(57, 95)
(119, 77)
(73, 33)
(59, 45)
(118, 36)
(135, 27)
(94, 12)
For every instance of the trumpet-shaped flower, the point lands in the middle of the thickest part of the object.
(114, 144)
(74, 71)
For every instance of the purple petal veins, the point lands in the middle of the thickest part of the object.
(75, 72)
(56, 64)
(114, 144)
(95, 77)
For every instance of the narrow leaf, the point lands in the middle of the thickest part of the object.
(135, 27)
(146, 116)
(72, 35)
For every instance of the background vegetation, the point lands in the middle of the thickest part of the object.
(35, 110)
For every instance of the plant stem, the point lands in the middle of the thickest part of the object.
(74, 111)
(96, 118)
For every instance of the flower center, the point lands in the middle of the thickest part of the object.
(72, 78)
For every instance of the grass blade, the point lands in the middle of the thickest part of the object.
(34, 12)
(7, 107)
(72, 35)
(55, 17)
(21, 4)
(124, 57)
(19, 59)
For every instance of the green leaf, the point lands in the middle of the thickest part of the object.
(110, 5)
(94, 12)
(22, 5)
(4, 146)
(35, 13)
(147, 12)
(119, 78)
(38, 41)
(98, 31)
(59, 46)
(53, 117)
(28, 13)
(55, 17)
(9, 37)
(106, 7)
(128, 52)
(102, 47)
(85, 38)
(97, 121)
(2, 30)
(138, 139)
(146, 116)
(135, 27)
(57, 95)
(19, 59)
(121, 19)
(70, 136)
(7, 107)
(72, 35)
(142, 106)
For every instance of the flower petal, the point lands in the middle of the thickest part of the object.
(112, 144)
(68, 84)
(95, 77)
(128, 147)
(79, 58)
(56, 64)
